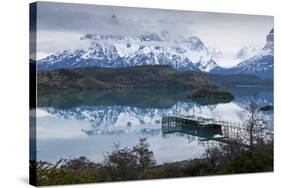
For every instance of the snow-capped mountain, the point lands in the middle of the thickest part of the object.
(257, 62)
(269, 45)
(182, 53)
(125, 51)
(260, 65)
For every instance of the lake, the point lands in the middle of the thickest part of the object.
(89, 123)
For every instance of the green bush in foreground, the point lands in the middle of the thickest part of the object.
(138, 163)
(260, 160)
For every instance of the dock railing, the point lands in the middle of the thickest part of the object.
(210, 120)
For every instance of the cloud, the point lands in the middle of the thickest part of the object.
(63, 24)
(106, 19)
(49, 42)
(215, 53)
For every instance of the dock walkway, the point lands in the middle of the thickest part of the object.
(201, 121)
(206, 128)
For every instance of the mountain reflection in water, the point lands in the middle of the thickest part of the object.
(72, 124)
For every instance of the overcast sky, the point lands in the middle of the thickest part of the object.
(60, 27)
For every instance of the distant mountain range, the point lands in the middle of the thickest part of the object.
(183, 54)
(123, 51)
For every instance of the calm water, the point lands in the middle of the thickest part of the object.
(89, 123)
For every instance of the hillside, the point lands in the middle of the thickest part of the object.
(233, 80)
(158, 76)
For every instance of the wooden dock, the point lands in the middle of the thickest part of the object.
(205, 128)
(206, 122)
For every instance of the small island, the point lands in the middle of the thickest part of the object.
(266, 108)
(211, 94)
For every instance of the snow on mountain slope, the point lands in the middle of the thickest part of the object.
(125, 51)
(260, 65)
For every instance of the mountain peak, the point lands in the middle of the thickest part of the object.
(194, 43)
(114, 19)
(87, 36)
(269, 44)
(150, 36)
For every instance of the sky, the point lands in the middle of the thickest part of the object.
(60, 26)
